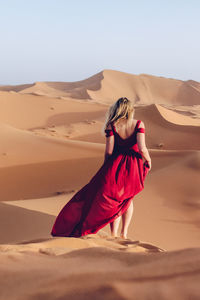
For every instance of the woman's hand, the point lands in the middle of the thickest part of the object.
(149, 163)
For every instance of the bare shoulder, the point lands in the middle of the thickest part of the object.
(141, 124)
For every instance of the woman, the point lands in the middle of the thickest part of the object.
(108, 196)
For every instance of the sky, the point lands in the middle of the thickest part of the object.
(71, 40)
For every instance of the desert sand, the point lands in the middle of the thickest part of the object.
(52, 143)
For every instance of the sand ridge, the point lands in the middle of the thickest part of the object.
(108, 85)
(85, 273)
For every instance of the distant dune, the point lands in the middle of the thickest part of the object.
(15, 88)
(108, 85)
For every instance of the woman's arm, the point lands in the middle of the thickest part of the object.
(109, 145)
(142, 145)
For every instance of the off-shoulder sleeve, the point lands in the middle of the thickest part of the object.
(140, 130)
(108, 132)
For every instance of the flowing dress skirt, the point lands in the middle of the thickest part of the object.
(106, 197)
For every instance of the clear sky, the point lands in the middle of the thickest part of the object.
(70, 40)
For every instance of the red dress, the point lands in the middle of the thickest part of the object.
(109, 193)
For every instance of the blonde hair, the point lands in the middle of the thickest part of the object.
(123, 108)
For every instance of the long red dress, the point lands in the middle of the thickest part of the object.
(109, 193)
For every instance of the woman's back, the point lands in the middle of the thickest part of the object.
(125, 129)
(126, 136)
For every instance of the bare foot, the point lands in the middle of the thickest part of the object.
(123, 236)
(114, 235)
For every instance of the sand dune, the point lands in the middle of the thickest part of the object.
(177, 118)
(29, 112)
(52, 144)
(60, 246)
(15, 88)
(162, 132)
(108, 85)
(192, 111)
(43, 89)
(84, 121)
(170, 202)
(73, 89)
(35, 161)
(31, 148)
(19, 224)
